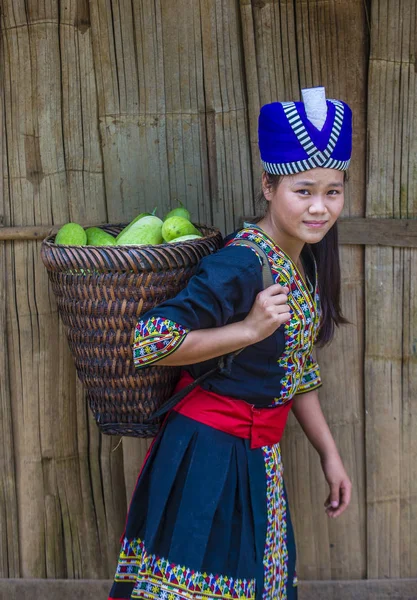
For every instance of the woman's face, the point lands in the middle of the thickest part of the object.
(303, 207)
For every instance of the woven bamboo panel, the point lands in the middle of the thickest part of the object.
(111, 108)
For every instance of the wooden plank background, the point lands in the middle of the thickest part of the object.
(112, 107)
(391, 306)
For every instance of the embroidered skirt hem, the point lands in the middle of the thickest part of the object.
(208, 519)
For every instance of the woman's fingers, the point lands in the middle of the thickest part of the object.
(334, 495)
(345, 496)
(339, 499)
(269, 311)
(278, 299)
(274, 295)
(276, 306)
(275, 289)
(276, 309)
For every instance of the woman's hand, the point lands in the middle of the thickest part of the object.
(269, 311)
(339, 483)
(306, 408)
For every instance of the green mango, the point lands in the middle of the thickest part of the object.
(71, 234)
(176, 227)
(186, 238)
(98, 237)
(180, 211)
(145, 214)
(145, 231)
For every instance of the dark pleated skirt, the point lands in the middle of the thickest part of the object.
(208, 519)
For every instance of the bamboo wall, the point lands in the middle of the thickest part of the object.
(112, 107)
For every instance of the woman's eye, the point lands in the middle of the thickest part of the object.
(303, 192)
(333, 192)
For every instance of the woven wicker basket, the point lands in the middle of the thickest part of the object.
(101, 292)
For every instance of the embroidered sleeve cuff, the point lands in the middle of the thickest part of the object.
(310, 380)
(155, 338)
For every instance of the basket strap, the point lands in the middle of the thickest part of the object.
(267, 277)
(224, 364)
(175, 399)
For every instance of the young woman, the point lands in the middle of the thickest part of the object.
(209, 516)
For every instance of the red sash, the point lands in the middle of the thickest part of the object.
(262, 426)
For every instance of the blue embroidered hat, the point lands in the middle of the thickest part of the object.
(298, 136)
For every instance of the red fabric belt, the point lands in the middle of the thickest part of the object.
(262, 426)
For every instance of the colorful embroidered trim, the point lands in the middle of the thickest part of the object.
(155, 338)
(276, 551)
(155, 577)
(302, 330)
(311, 377)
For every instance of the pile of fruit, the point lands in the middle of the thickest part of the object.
(145, 229)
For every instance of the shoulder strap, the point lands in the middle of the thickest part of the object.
(175, 399)
(267, 276)
(225, 362)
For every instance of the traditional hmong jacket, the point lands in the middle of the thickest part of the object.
(268, 373)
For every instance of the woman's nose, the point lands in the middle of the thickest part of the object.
(318, 206)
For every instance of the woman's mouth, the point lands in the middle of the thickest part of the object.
(315, 224)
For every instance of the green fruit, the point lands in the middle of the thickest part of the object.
(98, 237)
(145, 214)
(180, 211)
(186, 238)
(71, 234)
(146, 230)
(176, 227)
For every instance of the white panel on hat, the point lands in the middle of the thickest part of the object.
(315, 105)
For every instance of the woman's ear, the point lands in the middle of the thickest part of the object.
(266, 187)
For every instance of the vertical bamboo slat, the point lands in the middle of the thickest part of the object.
(182, 72)
(35, 169)
(226, 114)
(81, 136)
(408, 504)
(252, 85)
(390, 304)
(9, 534)
(130, 105)
(293, 51)
(340, 61)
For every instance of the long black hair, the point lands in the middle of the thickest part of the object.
(326, 254)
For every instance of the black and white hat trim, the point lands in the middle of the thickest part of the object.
(304, 165)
